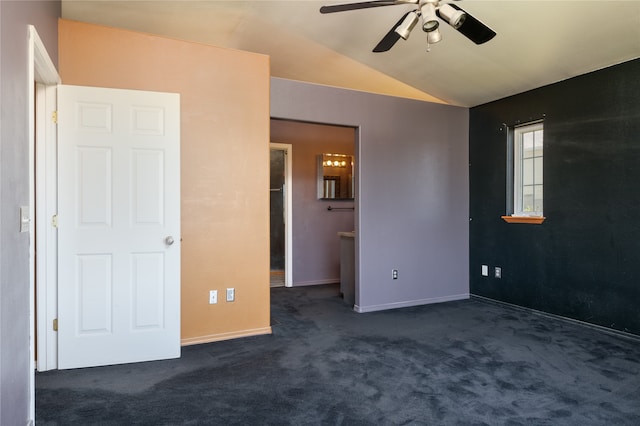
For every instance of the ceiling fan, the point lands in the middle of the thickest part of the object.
(427, 10)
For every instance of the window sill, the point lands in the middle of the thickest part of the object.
(534, 220)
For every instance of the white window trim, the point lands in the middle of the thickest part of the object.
(517, 166)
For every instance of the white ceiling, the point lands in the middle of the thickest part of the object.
(539, 42)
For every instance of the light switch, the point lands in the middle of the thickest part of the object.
(24, 218)
(485, 270)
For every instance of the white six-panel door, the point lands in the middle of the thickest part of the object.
(118, 226)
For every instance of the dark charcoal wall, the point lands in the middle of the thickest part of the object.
(583, 262)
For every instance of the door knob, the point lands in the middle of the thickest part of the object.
(169, 240)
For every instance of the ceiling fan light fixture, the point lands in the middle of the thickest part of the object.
(429, 19)
(452, 16)
(434, 36)
(410, 21)
(431, 12)
(430, 26)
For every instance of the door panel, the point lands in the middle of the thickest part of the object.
(93, 291)
(147, 186)
(119, 203)
(93, 169)
(147, 282)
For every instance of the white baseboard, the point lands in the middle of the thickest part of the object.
(317, 282)
(224, 336)
(409, 303)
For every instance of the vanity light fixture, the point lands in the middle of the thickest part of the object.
(335, 163)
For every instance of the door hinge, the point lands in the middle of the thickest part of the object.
(54, 117)
(55, 324)
(54, 221)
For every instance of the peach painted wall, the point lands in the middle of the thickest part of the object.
(224, 97)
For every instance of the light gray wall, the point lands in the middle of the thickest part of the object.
(14, 192)
(413, 190)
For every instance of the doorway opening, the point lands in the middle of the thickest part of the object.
(313, 229)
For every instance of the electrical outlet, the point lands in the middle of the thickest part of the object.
(213, 297)
(231, 294)
(485, 270)
(394, 274)
(498, 272)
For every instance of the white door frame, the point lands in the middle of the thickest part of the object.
(41, 70)
(46, 233)
(288, 234)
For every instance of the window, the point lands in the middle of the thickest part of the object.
(526, 198)
(527, 170)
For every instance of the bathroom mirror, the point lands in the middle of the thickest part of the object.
(335, 177)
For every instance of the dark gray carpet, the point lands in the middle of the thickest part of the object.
(459, 363)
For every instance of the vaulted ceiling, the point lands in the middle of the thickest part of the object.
(538, 42)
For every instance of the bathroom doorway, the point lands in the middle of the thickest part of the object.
(315, 221)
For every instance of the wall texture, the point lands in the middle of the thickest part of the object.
(412, 190)
(224, 160)
(316, 245)
(582, 262)
(15, 372)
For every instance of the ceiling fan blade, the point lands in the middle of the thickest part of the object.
(390, 38)
(355, 6)
(473, 29)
